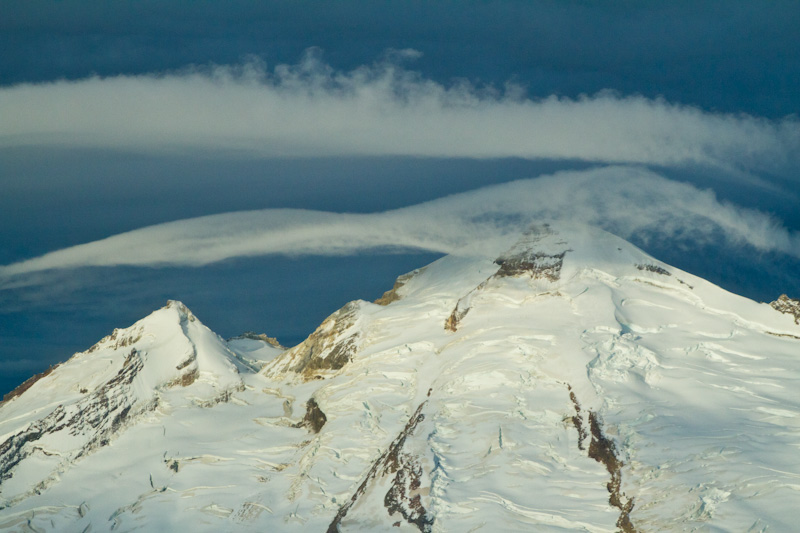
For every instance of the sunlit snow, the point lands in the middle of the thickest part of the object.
(585, 386)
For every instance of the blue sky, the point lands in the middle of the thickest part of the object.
(672, 124)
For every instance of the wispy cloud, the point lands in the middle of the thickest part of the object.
(629, 201)
(310, 109)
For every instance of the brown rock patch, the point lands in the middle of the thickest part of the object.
(789, 306)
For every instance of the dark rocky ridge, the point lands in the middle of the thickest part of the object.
(402, 496)
(604, 451)
(538, 264)
(654, 268)
(789, 306)
(96, 418)
(392, 294)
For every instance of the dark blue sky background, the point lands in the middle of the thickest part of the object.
(727, 56)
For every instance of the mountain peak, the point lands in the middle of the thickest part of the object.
(620, 391)
(540, 252)
(184, 313)
(86, 402)
(545, 249)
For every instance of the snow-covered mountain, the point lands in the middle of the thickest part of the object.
(565, 382)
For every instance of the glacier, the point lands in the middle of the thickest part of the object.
(559, 380)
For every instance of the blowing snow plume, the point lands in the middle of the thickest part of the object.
(628, 201)
(310, 109)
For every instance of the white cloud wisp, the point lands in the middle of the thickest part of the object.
(627, 201)
(310, 109)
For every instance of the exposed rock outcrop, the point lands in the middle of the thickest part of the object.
(314, 418)
(604, 451)
(404, 494)
(462, 308)
(329, 348)
(127, 374)
(654, 268)
(528, 257)
(27, 384)
(790, 306)
(119, 338)
(538, 264)
(451, 324)
(272, 341)
(94, 420)
(392, 295)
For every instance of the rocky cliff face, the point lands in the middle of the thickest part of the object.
(577, 385)
(70, 432)
(327, 350)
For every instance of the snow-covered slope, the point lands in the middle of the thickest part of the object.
(569, 382)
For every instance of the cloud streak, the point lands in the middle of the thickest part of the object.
(631, 202)
(310, 109)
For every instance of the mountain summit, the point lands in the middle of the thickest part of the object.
(567, 382)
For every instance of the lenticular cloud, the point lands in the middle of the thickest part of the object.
(310, 109)
(628, 201)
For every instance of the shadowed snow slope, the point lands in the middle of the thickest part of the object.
(570, 382)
